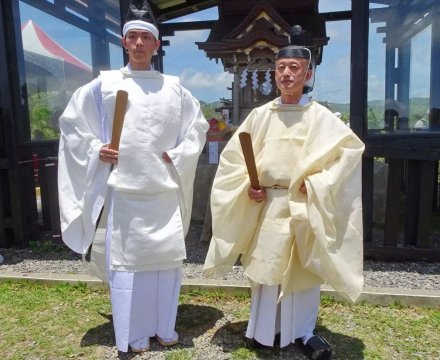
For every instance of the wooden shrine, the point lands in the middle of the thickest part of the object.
(246, 38)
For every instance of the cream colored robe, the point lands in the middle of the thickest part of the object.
(152, 199)
(292, 239)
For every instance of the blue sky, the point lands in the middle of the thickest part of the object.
(207, 80)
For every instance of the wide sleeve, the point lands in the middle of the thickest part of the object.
(81, 176)
(234, 215)
(329, 236)
(185, 155)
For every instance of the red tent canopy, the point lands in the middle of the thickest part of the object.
(46, 57)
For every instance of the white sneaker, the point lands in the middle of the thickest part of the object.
(140, 345)
(168, 341)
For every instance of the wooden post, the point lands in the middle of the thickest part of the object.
(427, 180)
(236, 97)
(395, 168)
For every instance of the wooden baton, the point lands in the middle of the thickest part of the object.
(248, 153)
(118, 118)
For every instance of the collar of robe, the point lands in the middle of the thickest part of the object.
(304, 102)
(147, 74)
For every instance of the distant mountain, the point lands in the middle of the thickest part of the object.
(418, 106)
(209, 110)
(376, 108)
(335, 107)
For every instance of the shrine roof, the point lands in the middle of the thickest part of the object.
(165, 10)
(241, 27)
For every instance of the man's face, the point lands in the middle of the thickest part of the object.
(140, 45)
(291, 74)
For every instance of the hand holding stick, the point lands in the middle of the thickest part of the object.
(248, 153)
(118, 118)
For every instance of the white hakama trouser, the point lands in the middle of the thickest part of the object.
(144, 304)
(293, 317)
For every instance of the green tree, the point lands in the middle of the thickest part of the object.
(373, 121)
(345, 118)
(208, 111)
(41, 114)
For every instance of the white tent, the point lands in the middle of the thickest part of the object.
(44, 58)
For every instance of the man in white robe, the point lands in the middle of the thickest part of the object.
(303, 226)
(145, 188)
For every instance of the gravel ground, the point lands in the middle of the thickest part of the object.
(218, 339)
(403, 275)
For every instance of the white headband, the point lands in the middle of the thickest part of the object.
(142, 25)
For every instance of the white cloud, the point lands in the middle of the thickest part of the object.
(339, 32)
(203, 80)
(205, 86)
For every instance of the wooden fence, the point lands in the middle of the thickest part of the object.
(400, 200)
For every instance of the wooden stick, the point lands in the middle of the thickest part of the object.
(118, 118)
(248, 153)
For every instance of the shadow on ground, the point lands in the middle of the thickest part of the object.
(101, 335)
(192, 322)
(195, 320)
(230, 338)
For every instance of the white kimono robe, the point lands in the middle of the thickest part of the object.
(152, 199)
(149, 206)
(295, 240)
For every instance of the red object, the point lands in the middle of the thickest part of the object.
(35, 161)
(35, 167)
(37, 41)
(213, 124)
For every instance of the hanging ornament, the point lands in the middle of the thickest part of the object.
(243, 78)
(266, 87)
(254, 80)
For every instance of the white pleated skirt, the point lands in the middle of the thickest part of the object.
(293, 317)
(144, 304)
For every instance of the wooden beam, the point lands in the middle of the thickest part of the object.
(336, 16)
(61, 13)
(435, 64)
(359, 67)
(426, 193)
(367, 197)
(236, 101)
(395, 169)
(409, 253)
(18, 225)
(3, 242)
(407, 151)
(15, 125)
(185, 8)
(412, 189)
(49, 196)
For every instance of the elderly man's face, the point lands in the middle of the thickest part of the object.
(291, 74)
(140, 45)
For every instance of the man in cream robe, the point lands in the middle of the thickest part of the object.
(304, 226)
(145, 187)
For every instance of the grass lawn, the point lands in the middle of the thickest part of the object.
(65, 322)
